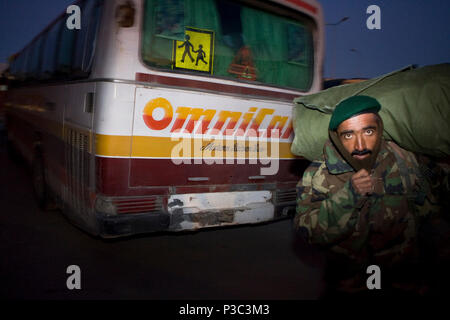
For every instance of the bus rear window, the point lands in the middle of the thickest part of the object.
(229, 40)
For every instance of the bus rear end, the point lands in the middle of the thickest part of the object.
(192, 120)
(183, 180)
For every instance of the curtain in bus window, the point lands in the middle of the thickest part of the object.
(169, 18)
(228, 35)
(49, 52)
(299, 55)
(80, 44)
(35, 54)
(163, 23)
(65, 50)
(267, 36)
(201, 14)
(91, 38)
(263, 34)
(249, 44)
(86, 36)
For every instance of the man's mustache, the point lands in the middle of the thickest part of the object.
(361, 152)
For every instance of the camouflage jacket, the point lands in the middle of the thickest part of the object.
(377, 228)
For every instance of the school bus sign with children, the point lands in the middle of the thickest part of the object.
(196, 51)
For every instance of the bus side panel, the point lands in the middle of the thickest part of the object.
(79, 188)
(56, 122)
(35, 125)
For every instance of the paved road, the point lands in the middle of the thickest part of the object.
(248, 262)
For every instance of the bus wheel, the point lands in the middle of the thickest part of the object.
(40, 187)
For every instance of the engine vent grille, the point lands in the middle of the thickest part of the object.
(78, 169)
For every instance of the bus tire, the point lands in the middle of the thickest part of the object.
(40, 186)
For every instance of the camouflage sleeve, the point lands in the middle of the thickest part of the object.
(433, 187)
(323, 218)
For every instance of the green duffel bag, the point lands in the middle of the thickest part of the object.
(415, 108)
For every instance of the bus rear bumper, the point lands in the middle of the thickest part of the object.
(197, 211)
(125, 225)
(187, 212)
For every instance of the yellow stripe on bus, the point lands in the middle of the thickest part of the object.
(163, 147)
(112, 146)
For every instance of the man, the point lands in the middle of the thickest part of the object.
(366, 198)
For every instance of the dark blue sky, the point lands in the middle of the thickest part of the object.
(412, 32)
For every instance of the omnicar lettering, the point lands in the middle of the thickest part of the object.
(213, 121)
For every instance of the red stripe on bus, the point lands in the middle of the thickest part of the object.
(138, 177)
(304, 5)
(217, 87)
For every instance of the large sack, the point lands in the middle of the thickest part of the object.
(415, 108)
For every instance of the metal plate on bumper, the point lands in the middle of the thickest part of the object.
(200, 210)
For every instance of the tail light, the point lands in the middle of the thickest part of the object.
(130, 205)
(287, 196)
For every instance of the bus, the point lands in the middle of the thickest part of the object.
(139, 116)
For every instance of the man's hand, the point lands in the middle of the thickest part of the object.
(362, 182)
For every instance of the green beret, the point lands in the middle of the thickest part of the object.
(351, 107)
